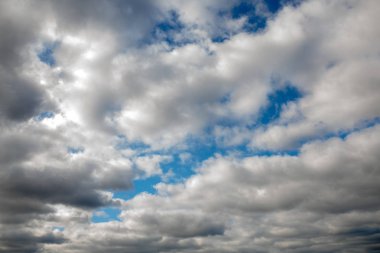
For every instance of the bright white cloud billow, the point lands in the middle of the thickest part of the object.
(102, 98)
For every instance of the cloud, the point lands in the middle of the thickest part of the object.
(274, 203)
(328, 74)
(123, 97)
(20, 97)
(150, 165)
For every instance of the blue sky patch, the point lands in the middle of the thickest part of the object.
(255, 21)
(167, 31)
(171, 24)
(46, 55)
(106, 214)
(219, 39)
(75, 150)
(276, 100)
(139, 186)
(44, 115)
(276, 5)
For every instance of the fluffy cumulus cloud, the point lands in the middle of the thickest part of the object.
(189, 126)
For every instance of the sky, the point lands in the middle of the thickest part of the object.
(189, 126)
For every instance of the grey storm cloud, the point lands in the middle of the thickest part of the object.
(126, 94)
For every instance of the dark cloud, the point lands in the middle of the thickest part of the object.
(53, 185)
(181, 224)
(21, 104)
(20, 98)
(16, 148)
(26, 242)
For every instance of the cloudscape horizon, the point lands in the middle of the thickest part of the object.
(213, 126)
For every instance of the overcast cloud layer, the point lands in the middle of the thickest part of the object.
(95, 95)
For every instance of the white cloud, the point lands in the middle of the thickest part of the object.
(334, 66)
(274, 203)
(150, 165)
(131, 103)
